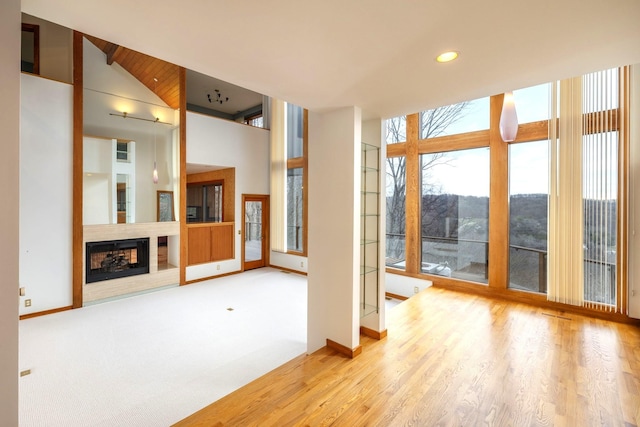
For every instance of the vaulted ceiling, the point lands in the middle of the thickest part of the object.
(375, 54)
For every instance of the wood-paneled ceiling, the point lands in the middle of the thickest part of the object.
(145, 68)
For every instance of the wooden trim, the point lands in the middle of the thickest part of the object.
(290, 270)
(413, 190)
(396, 150)
(45, 312)
(396, 296)
(305, 182)
(204, 279)
(209, 224)
(376, 335)
(622, 254)
(351, 353)
(462, 141)
(498, 268)
(77, 173)
(182, 207)
(295, 163)
(227, 177)
(534, 131)
(264, 199)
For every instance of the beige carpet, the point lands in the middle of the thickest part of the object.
(154, 359)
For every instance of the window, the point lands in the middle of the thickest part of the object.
(30, 51)
(455, 214)
(204, 202)
(256, 120)
(528, 215)
(296, 180)
(455, 119)
(294, 209)
(396, 212)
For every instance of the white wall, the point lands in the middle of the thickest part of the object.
(634, 197)
(46, 153)
(216, 142)
(9, 214)
(289, 261)
(404, 285)
(334, 221)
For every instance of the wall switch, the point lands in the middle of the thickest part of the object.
(27, 303)
(22, 291)
(25, 372)
(416, 290)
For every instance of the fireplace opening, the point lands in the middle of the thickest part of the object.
(116, 258)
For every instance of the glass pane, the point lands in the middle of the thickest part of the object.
(532, 103)
(396, 130)
(295, 122)
(253, 231)
(528, 215)
(455, 214)
(194, 203)
(395, 227)
(599, 189)
(294, 210)
(213, 202)
(453, 119)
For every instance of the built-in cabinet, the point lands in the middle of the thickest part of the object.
(369, 230)
(210, 242)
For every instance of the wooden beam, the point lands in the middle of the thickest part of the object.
(413, 196)
(77, 173)
(498, 200)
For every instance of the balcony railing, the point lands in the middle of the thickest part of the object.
(468, 260)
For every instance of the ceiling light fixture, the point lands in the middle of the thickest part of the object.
(447, 56)
(508, 119)
(217, 97)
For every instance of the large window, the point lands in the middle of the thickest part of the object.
(294, 209)
(455, 214)
(466, 208)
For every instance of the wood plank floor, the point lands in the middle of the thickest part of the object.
(453, 359)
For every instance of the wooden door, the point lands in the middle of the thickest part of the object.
(255, 231)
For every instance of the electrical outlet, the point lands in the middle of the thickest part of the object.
(218, 267)
(416, 290)
(301, 263)
(27, 303)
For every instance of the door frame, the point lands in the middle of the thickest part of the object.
(264, 198)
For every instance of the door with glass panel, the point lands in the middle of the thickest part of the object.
(255, 231)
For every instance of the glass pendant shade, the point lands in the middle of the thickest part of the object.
(155, 173)
(508, 119)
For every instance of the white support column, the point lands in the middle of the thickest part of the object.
(334, 224)
(10, 21)
(634, 197)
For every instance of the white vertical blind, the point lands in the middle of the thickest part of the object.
(565, 201)
(600, 187)
(583, 207)
(278, 176)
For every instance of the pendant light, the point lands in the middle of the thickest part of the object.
(508, 119)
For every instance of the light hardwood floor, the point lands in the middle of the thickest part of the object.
(453, 359)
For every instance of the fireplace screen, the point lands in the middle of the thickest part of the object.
(116, 258)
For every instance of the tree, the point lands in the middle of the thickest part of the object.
(432, 123)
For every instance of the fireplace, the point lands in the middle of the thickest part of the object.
(116, 258)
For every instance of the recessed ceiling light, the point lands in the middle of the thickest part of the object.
(447, 56)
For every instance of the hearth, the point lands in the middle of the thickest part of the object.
(116, 258)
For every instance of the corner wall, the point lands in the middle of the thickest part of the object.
(634, 196)
(9, 223)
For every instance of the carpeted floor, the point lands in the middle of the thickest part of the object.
(154, 359)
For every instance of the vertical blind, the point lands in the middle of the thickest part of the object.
(278, 176)
(583, 219)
